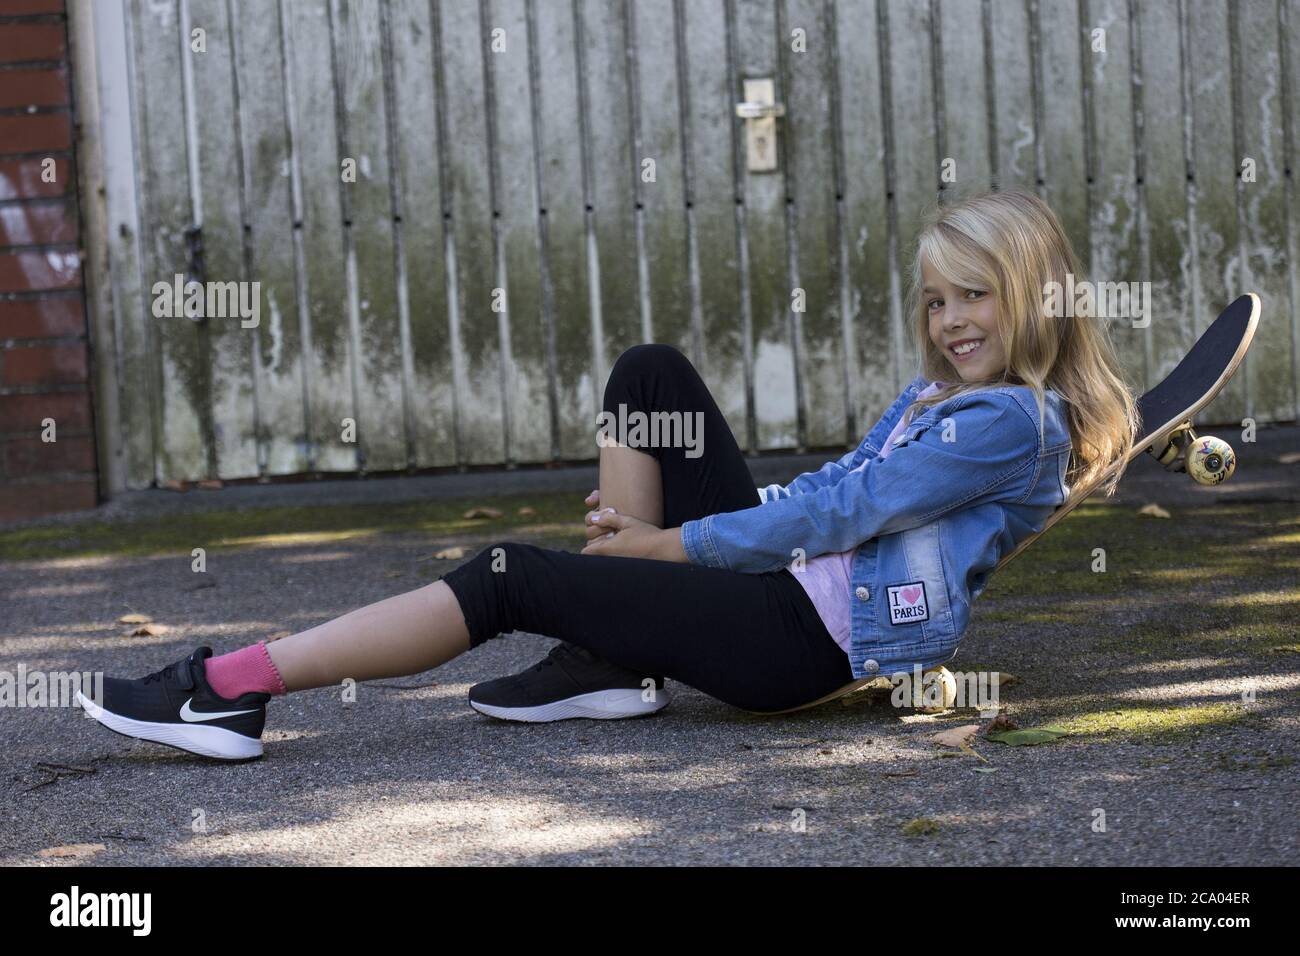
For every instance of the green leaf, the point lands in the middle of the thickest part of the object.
(1024, 738)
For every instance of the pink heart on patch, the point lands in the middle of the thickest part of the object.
(911, 595)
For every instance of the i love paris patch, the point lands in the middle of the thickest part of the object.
(907, 603)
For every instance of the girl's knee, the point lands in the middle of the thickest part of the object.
(501, 555)
(648, 358)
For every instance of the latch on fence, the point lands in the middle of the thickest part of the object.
(759, 111)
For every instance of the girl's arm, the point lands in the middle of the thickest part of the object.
(828, 474)
(831, 472)
(993, 457)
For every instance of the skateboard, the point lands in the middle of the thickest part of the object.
(1166, 433)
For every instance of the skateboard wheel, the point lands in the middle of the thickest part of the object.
(1210, 460)
(937, 693)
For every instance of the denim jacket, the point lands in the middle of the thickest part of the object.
(967, 480)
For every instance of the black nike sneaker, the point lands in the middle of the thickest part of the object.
(569, 682)
(177, 707)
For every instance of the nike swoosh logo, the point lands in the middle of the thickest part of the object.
(191, 716)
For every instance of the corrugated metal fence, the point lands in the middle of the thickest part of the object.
(542, 183)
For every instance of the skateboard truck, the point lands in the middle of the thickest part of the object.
(1209, 460)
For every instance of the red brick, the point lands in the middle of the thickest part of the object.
(35, 132)
(26, 457)
(29, 42)
(21, 178)
(18, 8)
(42, 318)
(22, 414)
(47, 497)
(63, 363)
(23, 88)
(35, 271)
(39, 223)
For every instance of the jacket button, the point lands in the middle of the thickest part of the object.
(871, 667)
(862, 593)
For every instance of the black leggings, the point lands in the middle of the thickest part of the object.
(752, 640)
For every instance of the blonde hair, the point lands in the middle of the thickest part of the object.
(1011, 245)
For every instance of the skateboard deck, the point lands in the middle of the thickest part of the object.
(1166, 432)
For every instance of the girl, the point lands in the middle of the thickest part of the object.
(765, 598)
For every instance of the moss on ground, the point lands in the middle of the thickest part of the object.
(921, 826)
(1200, 631)
(1122, 720)
(1163, 554)
(557, 514)
(1225, 573)
(1256, 760)
(1056, 615)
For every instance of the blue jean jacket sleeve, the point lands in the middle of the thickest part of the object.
(828, 474)
(833, 471)
(993, 456)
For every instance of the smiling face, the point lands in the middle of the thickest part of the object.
(967, 319)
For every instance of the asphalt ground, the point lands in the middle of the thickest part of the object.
(1175, 675)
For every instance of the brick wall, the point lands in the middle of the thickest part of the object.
(44, 351)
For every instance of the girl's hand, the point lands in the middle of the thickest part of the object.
(594, 530)
(627, 537)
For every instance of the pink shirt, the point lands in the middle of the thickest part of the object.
(826, 577)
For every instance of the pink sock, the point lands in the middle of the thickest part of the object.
(244, 670)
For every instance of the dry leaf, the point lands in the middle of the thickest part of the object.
(526, 511)
(1290, 458)
(969, 751)
(134, 619)
(73, 850)
(1001, 722)
(454, 553)
(1154, 511)
(482, 513)
(146, 630)
(957, 736)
